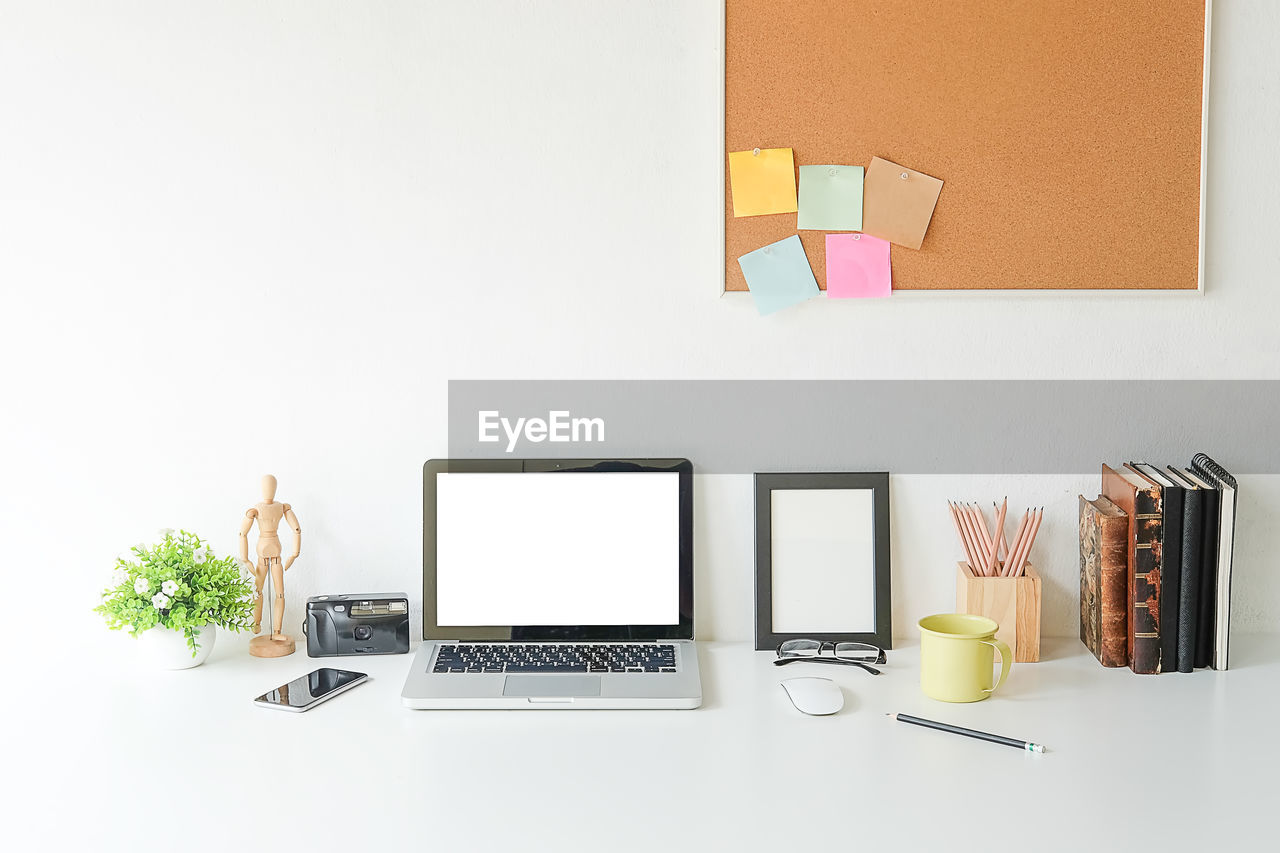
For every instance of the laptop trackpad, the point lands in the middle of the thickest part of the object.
(552, 685)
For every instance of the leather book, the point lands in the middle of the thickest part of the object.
(1221, 479)
(1192, 548)
(1141, 502)
(1104, 581)
(1170, 547)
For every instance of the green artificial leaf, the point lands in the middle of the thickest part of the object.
(212, 592)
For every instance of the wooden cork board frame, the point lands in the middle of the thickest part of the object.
(1070, 134)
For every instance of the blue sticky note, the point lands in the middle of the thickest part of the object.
(778, 275)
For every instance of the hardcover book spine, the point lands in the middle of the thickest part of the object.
(1144, 583)
(1170, 562)
(1091, 579)
(1208, 580)
(1189, 591)
(1115, 589)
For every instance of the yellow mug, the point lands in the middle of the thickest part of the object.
(957, 656)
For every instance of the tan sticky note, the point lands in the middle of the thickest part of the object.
(897, 202)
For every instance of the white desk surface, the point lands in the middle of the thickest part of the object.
(144, 760)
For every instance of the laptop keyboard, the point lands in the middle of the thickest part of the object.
(556, 657)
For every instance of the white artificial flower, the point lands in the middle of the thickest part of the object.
(140, 586)
(199, 555)
(165, 532)
(160, 601)
(169, 587)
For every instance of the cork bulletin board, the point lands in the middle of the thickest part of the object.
(1069, 133)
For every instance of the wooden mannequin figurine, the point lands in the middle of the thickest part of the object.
(268, 514)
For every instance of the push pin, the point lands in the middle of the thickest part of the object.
(831, 172)
(903, 176)
(857, 236)
(755, 152)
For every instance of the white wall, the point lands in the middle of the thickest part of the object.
(260, 236)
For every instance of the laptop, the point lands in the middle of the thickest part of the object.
(556, 583)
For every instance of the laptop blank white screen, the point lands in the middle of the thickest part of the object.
(562, 548)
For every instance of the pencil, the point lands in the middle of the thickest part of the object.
(988, 544)
(991, 561)
(964, 540)
(973, 733)
(1031, 540)
(1020, 558)
(1021, 547)
(964, 533)
(1013, 546)
(966, 518)
(1003, 553)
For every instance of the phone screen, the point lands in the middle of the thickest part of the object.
(311, 687)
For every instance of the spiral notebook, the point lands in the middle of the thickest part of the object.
(1213, 473)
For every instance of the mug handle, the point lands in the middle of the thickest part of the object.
(1006, 661)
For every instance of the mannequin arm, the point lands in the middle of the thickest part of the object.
(297, 535)
(245, 527)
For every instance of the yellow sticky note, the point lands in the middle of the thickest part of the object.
(762, 181)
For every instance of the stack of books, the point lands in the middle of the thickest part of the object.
(1155, 566)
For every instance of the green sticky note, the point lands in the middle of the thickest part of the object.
(779, 275)
(830, 198)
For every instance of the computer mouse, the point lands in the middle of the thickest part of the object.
(816, 696)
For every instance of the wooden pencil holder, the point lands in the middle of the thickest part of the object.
(1014, 603)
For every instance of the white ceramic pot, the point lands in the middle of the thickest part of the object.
(164, 648)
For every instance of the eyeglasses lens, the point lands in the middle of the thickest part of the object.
(799, 649)
(857, 651)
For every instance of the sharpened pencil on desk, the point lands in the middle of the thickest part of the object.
(973, 733)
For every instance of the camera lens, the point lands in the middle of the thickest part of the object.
(363, 632)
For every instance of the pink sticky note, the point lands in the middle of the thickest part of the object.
(857, 266)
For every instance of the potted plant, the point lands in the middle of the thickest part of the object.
(172, 596)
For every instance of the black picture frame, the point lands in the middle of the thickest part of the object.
(765, 485)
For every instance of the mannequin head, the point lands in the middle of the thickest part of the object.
(268, 488)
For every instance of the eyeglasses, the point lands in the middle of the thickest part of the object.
(850, 654)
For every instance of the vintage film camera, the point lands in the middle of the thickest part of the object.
(356, 624)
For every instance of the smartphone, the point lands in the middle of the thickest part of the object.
(303, 694)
